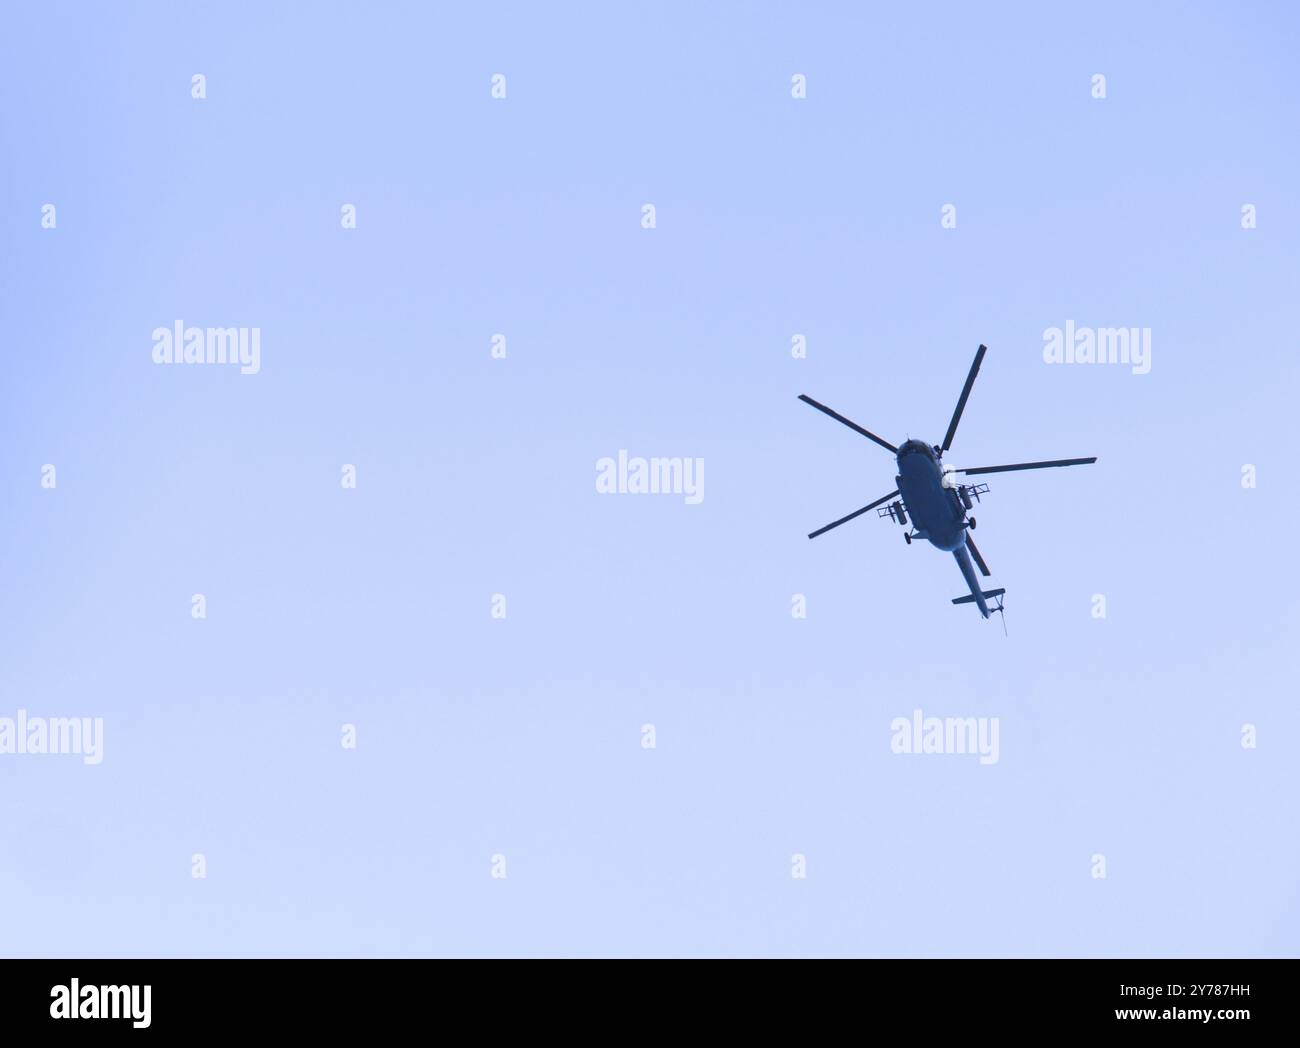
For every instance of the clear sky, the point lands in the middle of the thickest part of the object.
(1120, 737)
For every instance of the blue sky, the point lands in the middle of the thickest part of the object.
(522, 736)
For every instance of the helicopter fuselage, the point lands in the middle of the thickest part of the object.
(937, 513)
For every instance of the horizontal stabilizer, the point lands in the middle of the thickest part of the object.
(970, 597)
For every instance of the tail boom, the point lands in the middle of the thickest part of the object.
(977, 596)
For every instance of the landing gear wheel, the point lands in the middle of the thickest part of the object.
(972, 523)
(907, 538)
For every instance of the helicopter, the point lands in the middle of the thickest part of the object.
(937, 497)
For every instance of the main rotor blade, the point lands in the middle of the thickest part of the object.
(848, 422)
(965, 392)
(855, 513)
(1028, 465)
(974, 552)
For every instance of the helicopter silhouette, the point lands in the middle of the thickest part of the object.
(935, 495)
